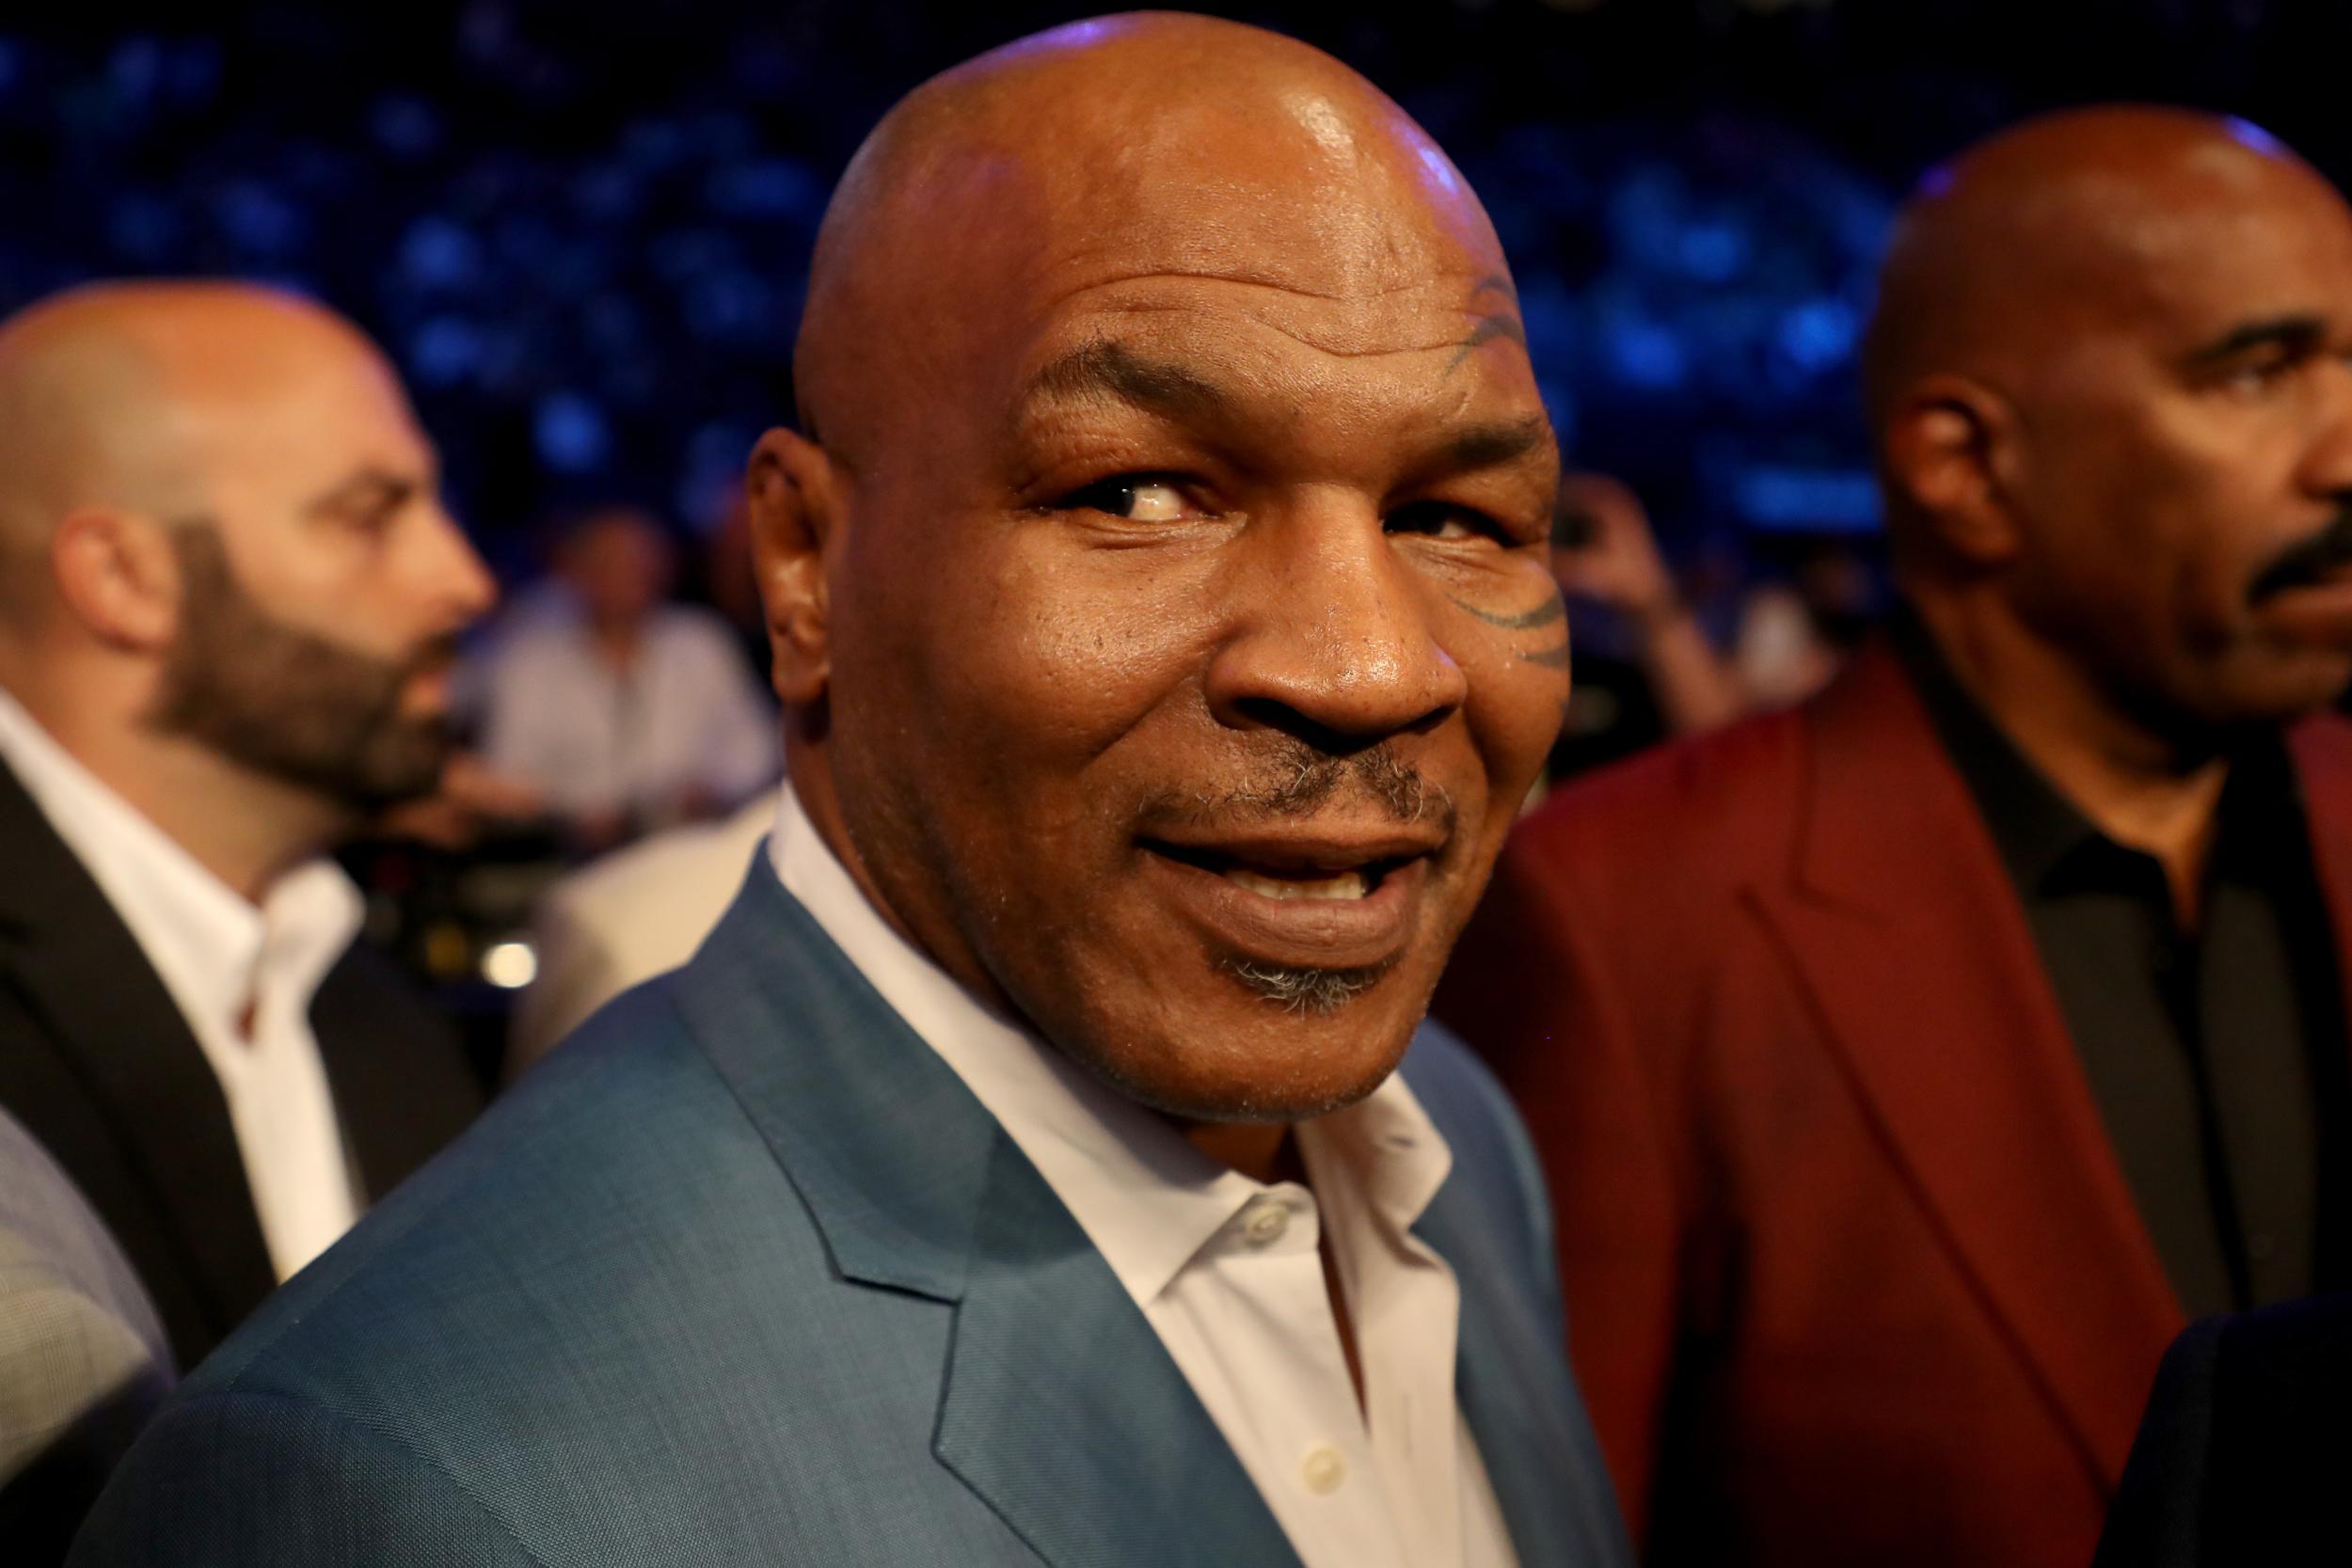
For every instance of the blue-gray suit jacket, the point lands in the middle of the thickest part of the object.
(745, 1274)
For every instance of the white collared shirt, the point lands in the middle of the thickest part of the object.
(688, 717)
(1227, 1270)
(226, 964)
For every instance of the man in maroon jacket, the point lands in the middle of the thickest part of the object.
(1909, 1063)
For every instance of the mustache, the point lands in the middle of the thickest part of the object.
(1298, 780)
(436, 653)
(2305, 561)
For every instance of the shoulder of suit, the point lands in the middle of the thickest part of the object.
(1699, 802)
(566, 1172)
(2321, 744)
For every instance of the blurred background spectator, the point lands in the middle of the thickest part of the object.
(1644, 667)
(626, 712)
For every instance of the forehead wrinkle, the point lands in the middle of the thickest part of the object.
(1345, 340)
(1106, 367)
(1241, 279)
(1440, 427)
(1188, 142)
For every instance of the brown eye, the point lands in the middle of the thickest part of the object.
(1441, 521)
(1137, 497)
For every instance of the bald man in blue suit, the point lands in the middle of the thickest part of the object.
(1043, 1161)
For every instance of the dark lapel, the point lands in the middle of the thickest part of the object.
(398, 1073)
(1900, 919)
(1059, 1409)
(131, 1110)
(2322, 749)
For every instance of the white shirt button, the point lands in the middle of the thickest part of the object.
(1322, 1469)
(1264, 1224)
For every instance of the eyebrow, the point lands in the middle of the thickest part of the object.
(1104, 368)
(369, 484)
(1490, 446)
(2298, 333)
(1107, 368)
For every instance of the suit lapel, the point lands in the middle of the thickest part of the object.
(401, 1087)
(2322, 749)
(1060, 1407)
(1067, 1416)
(1539, 1453)
(1905, 930)
(172, 1151)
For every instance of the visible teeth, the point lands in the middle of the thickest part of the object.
(1344, 884)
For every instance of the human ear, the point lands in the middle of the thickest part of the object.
(1951, 451)
(118, 575)
(793, 497)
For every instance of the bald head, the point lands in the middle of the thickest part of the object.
(2072, 220)
(1099, 151)
(1169, 448)
(120, 396)
(231, 588)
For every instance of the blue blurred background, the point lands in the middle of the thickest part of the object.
(581, 228)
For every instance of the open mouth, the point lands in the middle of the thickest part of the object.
(1275, 879)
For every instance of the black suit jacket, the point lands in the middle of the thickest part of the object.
(98, 1065)
(2246, 1447)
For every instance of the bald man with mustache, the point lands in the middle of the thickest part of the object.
(228, 599)
(1909, 1064)
(1043, 1161)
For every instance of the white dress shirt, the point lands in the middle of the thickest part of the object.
(1227, 1270)
(242, 977)
(686, 716)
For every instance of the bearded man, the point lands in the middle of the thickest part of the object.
(228, 596)
(1021, 1173)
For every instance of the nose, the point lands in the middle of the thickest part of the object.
(2328, 463)
(460, 584)
(1331, 638)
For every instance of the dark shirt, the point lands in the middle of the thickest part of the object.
(2217, 1056)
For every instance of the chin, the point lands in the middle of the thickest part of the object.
(1228, 1053)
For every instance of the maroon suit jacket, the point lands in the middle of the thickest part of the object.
(1852, 1274)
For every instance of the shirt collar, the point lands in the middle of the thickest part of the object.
(2033, 826)
(2039, 832)
(1147, 1199)
(210, 945)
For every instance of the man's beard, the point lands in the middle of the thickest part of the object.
(289, 703)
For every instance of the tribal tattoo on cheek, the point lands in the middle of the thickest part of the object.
(1551, 612)
(1505, 323)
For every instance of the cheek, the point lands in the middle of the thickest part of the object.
(1518, 696)
(2116, 505)
(2220, 498)
(1029, 662)
(1073, 651)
